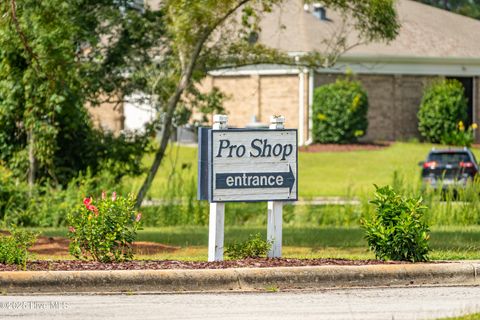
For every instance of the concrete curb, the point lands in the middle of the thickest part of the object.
(242, 279)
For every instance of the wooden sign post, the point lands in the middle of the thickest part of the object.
(247, 165)
(216, 222)
(275, 208)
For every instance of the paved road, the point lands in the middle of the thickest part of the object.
(393, 303)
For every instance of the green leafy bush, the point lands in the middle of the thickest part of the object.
(340, 112)
(443, 106)
(397, 232)
(105, 229)
(14, 247)
(254, 247)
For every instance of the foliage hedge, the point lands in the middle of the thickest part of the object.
(340, 112)
(443, 106)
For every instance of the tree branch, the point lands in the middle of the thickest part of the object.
(185, 78)
(23, 38)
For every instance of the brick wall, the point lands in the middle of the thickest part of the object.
(259, 96)
(394, 101)
(381, 110)
(408, 96)
(242, 97)
(108, 116)
(393, 104)
(279, 96)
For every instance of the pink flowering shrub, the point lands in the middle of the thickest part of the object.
(104, 229)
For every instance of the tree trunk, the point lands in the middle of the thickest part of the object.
(165, 136)
(32, 162)
(156, 164)
(187, 71)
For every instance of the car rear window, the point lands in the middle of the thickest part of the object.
(449, 157)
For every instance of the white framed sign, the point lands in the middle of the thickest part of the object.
(253, 165)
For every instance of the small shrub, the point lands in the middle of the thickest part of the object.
(14, 247)
(340, 112)
(397, 232)
(104, 230)
(254, 247)
(443, 106)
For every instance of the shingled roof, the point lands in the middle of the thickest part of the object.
(425, 32)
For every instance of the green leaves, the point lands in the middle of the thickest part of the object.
(56, 56)
(339, 112)
(105, 229)
(443, 106)
(374, 19)
(254, 247)
(397, 231)
(14, 247)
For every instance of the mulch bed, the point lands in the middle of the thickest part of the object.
(75, 265)
(345, 147)
(58, 246)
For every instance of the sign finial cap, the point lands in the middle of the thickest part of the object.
(220, 118)
(277, 119)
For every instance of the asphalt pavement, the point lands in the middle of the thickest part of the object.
(377, 303)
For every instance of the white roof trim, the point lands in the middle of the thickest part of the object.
(432, 66)
(255, 70)
(405, 69)
(409, 59)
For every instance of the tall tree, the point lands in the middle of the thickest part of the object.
(208, 34)
(56, 56)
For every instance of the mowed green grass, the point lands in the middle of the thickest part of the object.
(448, 243)
(320, 174)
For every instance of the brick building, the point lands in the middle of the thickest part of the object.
(431, 43)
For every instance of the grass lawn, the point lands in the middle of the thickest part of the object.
(320, 174)
(448, 243)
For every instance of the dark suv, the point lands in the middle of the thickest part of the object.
(449, 168)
